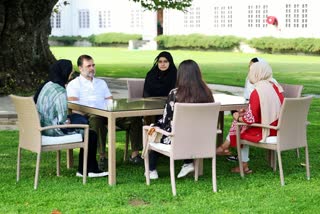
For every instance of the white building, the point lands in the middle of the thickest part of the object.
(245, 18)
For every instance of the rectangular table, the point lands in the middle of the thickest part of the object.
(119, 108)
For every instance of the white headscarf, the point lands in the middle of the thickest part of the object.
(249, 87)
(260, 74)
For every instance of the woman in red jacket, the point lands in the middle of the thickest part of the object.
(264, 108)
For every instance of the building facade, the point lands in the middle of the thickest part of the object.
(246, 18)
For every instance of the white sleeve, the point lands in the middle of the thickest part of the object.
(107, 91)
(248, 88)
(73, 88)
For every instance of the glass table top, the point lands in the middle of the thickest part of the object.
(132, 104)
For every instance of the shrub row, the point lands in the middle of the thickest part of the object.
(198, 41)
(281, 45)
(66, 40)
(202, 42)
(105, 39)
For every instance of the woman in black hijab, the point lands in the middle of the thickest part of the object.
(51, 100)
(161, 79)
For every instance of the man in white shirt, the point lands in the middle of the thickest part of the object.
(92, 91)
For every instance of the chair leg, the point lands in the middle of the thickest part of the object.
(125, 153)
(18, 163)
(36, 178)
(239, 151)
(146, 157)
(280, 168)
(147, 169)
(307, 163)
(85, 164)
(214, 174)
(196, 169)
(172, 175)
(69, 158)
(274, 161)
(58, 162)
(298, 153)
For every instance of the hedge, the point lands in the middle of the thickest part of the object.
(107, 39)
(66, 40)
(281, 45)
(198, 41)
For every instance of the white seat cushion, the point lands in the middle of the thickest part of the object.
(50, 140)
(161, 146)
(271, 140)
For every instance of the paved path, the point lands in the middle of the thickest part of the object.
(118, 87)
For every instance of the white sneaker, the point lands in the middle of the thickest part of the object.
(97, 174)
(186, 169)
(93, 174)
(78, 174)
(153, 174)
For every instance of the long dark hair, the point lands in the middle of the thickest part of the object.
(191, 87)
(59, 73)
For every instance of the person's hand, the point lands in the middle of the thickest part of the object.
(241, 112)
(67, 121)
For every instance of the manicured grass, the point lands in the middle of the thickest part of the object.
(218, 67)
(259, 192)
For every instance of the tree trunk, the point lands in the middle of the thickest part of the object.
(24, 51)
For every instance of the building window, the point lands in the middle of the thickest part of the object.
(222, 16)
(84, 19)
(296, 16)
(192, 18)
(229, 17)
(136, 18)
(55, 20)
(257, 15)
(102, 19)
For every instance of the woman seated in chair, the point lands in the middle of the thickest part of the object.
(248, 88)
(161, 79)
(264, 108)
(190, 89)
(51, 100)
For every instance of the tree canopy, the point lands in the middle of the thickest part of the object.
(25, 55)
(163, 4)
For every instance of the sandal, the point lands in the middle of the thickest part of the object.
(246, 170)
(221, 151)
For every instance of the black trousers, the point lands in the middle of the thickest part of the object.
(92, 165)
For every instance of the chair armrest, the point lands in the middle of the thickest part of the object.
(161, 131)
(258, 125)
(81, 126)
(157, 129)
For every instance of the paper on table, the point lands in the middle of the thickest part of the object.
(226, 99)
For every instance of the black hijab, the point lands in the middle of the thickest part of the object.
(159, 83)
(58, 73)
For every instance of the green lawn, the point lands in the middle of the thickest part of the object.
(218, 67)
(259, 192)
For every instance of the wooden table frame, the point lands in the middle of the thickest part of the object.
(112, 115)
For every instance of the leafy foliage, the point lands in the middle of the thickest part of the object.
(282, 45)
(198, 41)
(113, 38)
(164, 4)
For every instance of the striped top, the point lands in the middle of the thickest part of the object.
(52, 107)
